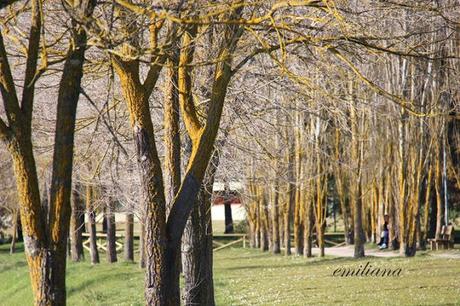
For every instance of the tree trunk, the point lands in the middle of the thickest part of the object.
(163, 236)
(196, 251)
(319, 210)
(15, 231)
(252, 235)
(20, 233)
(142, 246)
(91, 215)
(340, 186)
(32, 218)
(288, 218)
(76, 226)
(426, 211)
(129, 238)
(276, 247)
(358, 230)
(111, 234)
(356, 194)
(290, 194)
(45, 242)
(402, 182)
(298, 226)
(228, 218)
(197, 256)
(264, 219)
(438, 188)
(308, 224)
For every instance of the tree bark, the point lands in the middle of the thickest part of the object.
(340, 186)
(276, 247)
(438, 188)
(356, 188)
(77, 226)
(129, 237)
(290, 194)
(111, 233)
(298, 133)
(142, 246)
(308, 223)
(91, 215)
(197, 256)
(427, 205)
(264, 220)
(15, 231)
(228, 217)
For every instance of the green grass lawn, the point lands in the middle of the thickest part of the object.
(250, 277)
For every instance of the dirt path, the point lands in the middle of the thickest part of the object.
(347, 251)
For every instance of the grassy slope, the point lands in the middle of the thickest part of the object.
(249, 277)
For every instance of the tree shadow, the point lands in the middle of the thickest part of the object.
(5, 248)
(95, 280)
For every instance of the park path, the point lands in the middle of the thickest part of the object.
(347, 251)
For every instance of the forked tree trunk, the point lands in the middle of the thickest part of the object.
(163, 235)
(197, 254)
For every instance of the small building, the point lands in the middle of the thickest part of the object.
(227, 205)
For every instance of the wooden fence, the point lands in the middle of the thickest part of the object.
(101, 241)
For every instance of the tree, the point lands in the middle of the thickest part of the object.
(45, 243)
(77, 225)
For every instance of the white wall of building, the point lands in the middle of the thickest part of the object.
(218, 212)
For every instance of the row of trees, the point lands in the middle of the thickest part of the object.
(345, 144)
(299, 78)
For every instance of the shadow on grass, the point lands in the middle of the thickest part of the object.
(7, 267)
(293, 264)
(5, 248)
(89, 284)
(17, 291)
